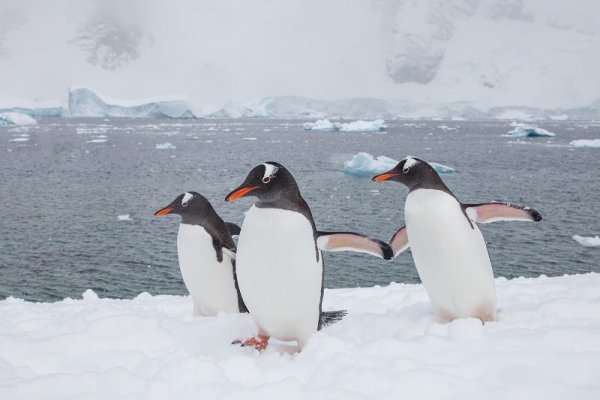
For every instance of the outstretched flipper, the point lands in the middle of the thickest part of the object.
(331, 317)
(497, 211)
(350, 241)
(234, 230)
(399, 242)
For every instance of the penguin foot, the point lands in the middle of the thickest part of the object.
(260, 343)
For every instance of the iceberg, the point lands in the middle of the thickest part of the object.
(364, 164)
(16, 118)
(593, 241)
(586, 143)
(32, 108)
(355, 126)
(526, 130)
(84, 102)
(165, 146)
(545, 346)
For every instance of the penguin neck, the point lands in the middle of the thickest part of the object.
(430, 180)
(290, 200)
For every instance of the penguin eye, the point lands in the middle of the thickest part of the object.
(266, 179)
(405, 170)
(184, 204)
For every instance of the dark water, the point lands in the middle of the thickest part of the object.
(61, 195)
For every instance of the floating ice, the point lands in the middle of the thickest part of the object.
(364, 164)
(526, 130)
(355, 126)
(592, 241)
(544, 346)
(15, 118)
(249, 138)
(97, 141)
(585, 143)
(19, 139)
(84, 102)
(124, 217)
(34, 109)
(165, 146)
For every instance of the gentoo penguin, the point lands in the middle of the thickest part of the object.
(206, 255)
(280, 265)
(447, 247)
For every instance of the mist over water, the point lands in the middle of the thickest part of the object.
(79, 196)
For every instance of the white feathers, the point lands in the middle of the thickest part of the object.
(186, 198)
(270, 171)
(409, 163)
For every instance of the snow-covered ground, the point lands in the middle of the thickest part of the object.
(546, 345)
(364, 164)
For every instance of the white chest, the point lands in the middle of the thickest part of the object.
(278, 272)
(209, 281)
(450, 255)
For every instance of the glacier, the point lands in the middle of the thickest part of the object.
(544, 346)
(364, 164)
(84, 102)
(16, 118)
(526, 130)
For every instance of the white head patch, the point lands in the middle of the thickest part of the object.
(409, 163)
(186, 197)
(270, 171)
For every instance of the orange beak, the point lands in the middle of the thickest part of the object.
(239, 193)
(163, 211)
(383, 177)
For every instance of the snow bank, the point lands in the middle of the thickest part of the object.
(355, 126)
(15, 118)
(84, 102)
(592, 241)
(526, 130)
(364, 164)
(546, 345)
(586, 143)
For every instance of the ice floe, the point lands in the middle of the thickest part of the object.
(16, 118)
(124, 217)
(585, 143)
(545, 345)
(355, 126)
(165, 146)
(364, 164)
(84, 102)
(527, 130)
(587, 241)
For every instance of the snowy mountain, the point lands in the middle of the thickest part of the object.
(477, 53)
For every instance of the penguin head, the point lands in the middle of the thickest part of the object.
(185, 204)
(267, 181)
(413, 173)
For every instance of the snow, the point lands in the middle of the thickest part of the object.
(546, 345)
(15, 118)
(364, 164)
(165, 146)
(123, 217)
(526, 130)
(355, 126)
(585, 143)
(592, 241)
(84, 102)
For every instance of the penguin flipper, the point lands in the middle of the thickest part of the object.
(399, 242)
(331, 317)
(233, 229)
(350, 241)
(496, 211)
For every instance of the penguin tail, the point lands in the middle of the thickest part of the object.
(331, 317)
